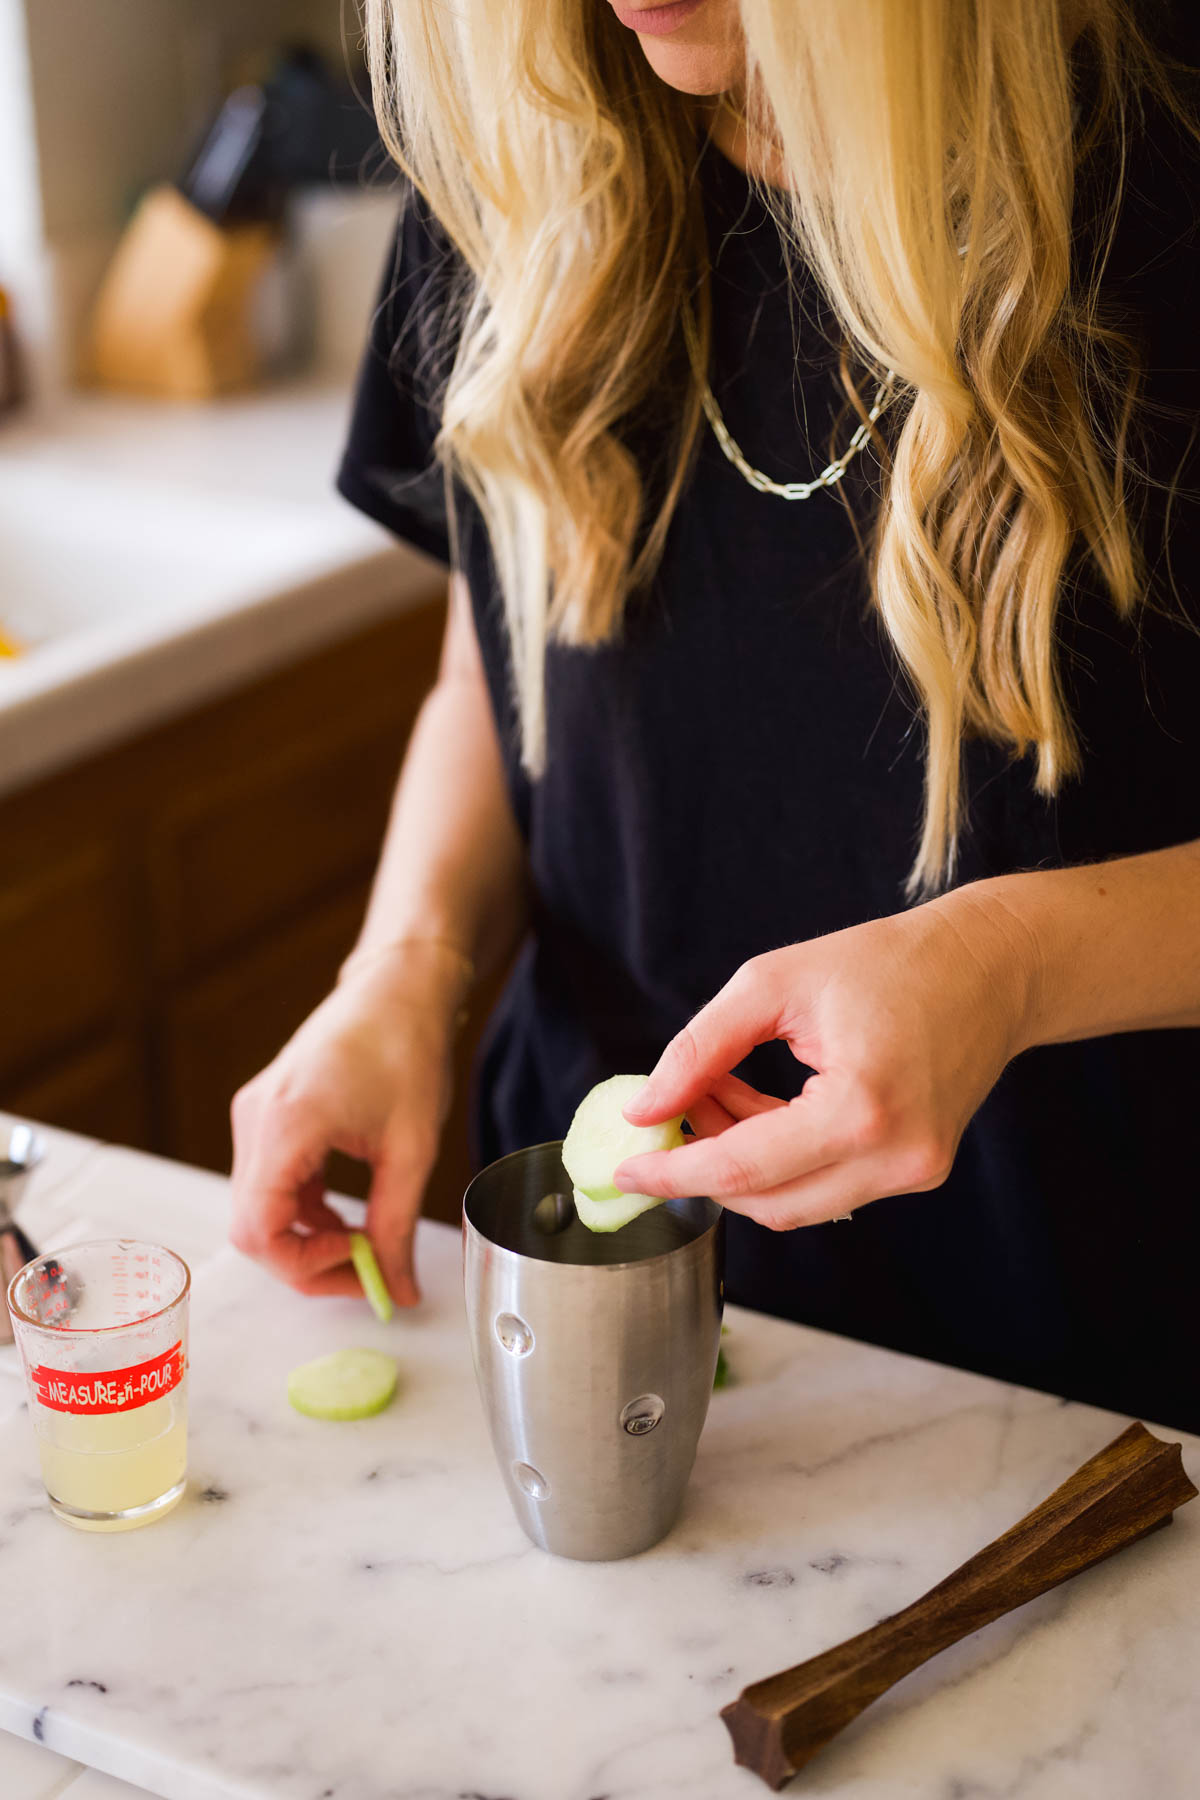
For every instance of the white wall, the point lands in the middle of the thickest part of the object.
(22, 263)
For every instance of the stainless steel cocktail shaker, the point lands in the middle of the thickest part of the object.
(594, 1353)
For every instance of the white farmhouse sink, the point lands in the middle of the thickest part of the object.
(95, 554)
(151, 558)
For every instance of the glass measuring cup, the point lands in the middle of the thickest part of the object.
(102, 1331)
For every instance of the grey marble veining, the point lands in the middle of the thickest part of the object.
(349, 1612)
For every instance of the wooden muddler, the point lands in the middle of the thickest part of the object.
(1128, 1489)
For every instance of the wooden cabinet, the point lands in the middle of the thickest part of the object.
(171, 911)
(267, 990)
(61, 945)
(101, 1091)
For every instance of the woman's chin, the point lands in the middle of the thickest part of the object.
(703, 54)
(693, 68)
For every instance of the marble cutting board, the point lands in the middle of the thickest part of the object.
(349, 1612)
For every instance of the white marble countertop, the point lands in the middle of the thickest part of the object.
(156, 555)
(351, 1613)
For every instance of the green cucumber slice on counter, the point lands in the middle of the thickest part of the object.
(601, 1137)
(366, 1267)
(610, 1215)
(348, 1384)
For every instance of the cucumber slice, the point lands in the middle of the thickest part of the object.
(366, 1267)
(610, 1215)
(349, 1384)
(601, 1137)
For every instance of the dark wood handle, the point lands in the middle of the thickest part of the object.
(1127, 1490)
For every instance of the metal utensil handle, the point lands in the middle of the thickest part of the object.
(1125, 1491)
(12, 1258)
(23, 1241)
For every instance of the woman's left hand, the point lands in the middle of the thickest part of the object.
(907, 1023)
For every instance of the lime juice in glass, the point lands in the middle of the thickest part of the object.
(102, 1331)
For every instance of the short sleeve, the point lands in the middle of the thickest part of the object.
(389, 469)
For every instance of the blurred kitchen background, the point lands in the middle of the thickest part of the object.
(211, 662)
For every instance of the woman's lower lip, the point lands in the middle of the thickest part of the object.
(657, 21)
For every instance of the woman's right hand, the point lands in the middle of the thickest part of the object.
(369, 1073)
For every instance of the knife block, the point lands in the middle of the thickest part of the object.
(174, 313)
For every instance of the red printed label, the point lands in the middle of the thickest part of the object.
(108, 1390)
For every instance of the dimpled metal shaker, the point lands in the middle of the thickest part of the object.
(594, 1353)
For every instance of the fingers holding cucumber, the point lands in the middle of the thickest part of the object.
(599, 1139)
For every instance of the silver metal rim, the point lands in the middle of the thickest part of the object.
(640, 1262)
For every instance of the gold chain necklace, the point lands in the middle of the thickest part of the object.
(830, 475)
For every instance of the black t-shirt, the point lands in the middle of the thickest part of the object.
(742, 770)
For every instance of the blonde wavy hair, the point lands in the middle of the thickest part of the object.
(929, 151)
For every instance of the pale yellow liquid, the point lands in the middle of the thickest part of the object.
(108, 1463)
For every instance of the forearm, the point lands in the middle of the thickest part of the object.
(1105, 947)
(453, 870)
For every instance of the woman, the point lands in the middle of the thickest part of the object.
(875, 800)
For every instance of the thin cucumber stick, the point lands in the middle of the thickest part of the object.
(366, 1267)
